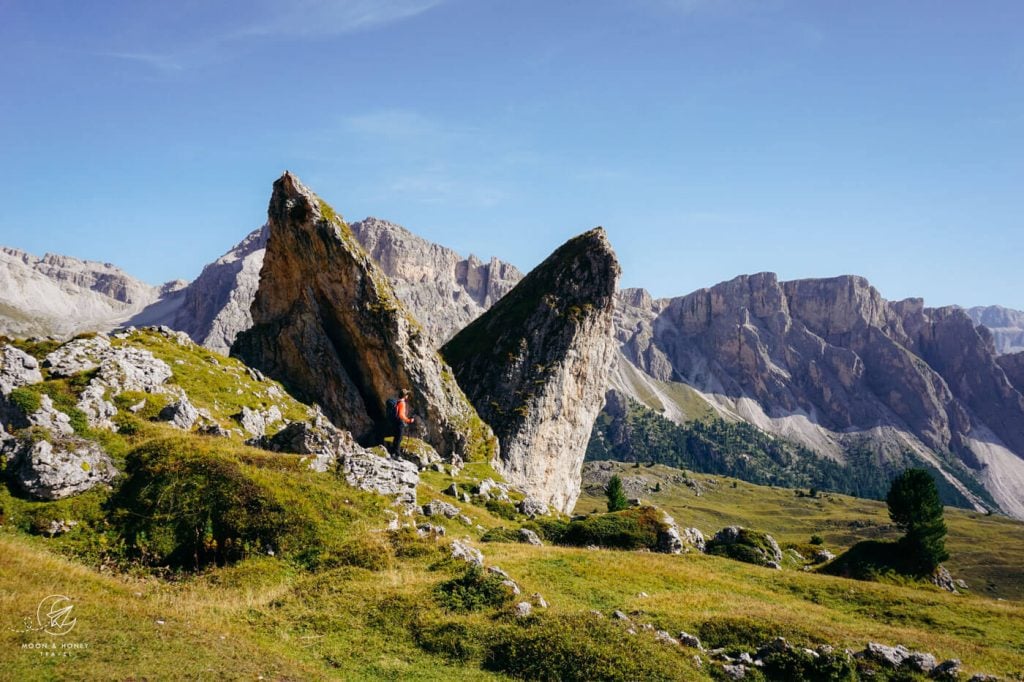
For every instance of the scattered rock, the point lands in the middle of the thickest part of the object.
(961, 584)
(746, 545)
(529, 537)
(465, 519)
(17, 369)
(464, 552)
(497, 570)
(512, 585)
(539, 601)
(523, 609)
(821, 556)
(691, 641)
(665, 638)
(888, 656)
(452, 491)
(97, 410)
(429, 529)
(947, 670)
(942, 578)
(692, 537)
(256, 422)
(48, 417)
(214, 429)
(619, 615)
(77, 356)
(395, 478)
(920, 662)
(439, 508)
(735, 672)
(59, 527)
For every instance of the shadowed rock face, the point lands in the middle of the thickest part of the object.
(536, 366)
(1013, 366)
(327, 324)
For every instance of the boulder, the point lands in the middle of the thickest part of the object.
(746, 545)
(181, 414)
(821, 556)
(367, 471)
(665, 638)
(52, 471)
(77, 356)
(943, 579)
(17, 369)
(536, 366)
(529, 537)
(464, 552)
(523, 609)
(533, 507)
(669, 541)
(49, 417)
(539, 600)
(98, 411)
(256, 422)
(327, 324)
(947, 670)
(890, 657)
(691, 641)
(693, 537)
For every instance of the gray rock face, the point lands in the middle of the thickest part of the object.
(52, 471)
(327, 324)
(444, 291)
(824, 361)
(536, 365)
(693, 537)
(79, 355)
(97, 409)
(17, 369)
(395, 478)
(215, 307)
(532, 507)
(440, 508)
(50, 418)
(1006, 326)
(891, 657)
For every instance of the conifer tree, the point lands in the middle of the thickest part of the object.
(616, 498)
(915, 508)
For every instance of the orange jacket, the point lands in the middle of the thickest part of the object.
(402, 415)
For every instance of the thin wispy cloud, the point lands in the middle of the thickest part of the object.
(215, 40)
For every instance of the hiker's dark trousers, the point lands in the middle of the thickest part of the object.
(399, 431)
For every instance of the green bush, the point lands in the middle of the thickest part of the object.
(473, 590)
(25, 399)
(186, 508)
(457, 642)
(500, 534)
(578, 648)
(631, 529)
(794, 665)
(505, 510)
(736, 632)
(407, 543)
(817, 540)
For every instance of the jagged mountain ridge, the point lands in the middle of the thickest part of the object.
(61, 296)
(820, 401)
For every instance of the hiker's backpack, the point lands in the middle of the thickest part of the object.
(391, 409)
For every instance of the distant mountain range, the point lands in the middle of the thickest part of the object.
(826, 363)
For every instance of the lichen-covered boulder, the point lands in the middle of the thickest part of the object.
(17, 369)
(392, 477)
(181, 414)
(55, 470)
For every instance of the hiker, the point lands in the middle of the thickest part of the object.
(399, 416)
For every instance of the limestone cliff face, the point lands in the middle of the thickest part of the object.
(1013, 366)
(826, 360)
(442, 290)
(327, 324)
(536, 366)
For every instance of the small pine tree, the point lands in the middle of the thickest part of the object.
(657, 487)
(915, 508)
(616, 498)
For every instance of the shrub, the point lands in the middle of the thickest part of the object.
(631, 529)
(795, 665)
(473, 590)
(371, 551)
(455, 641)
(407, 543)
(747, 634)
(501, 534)
(25, 399)
(186, 508)
(580, 647)
(817, 540)
(505, 510)
(616, 498)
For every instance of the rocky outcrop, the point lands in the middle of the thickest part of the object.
(328, 326)
(747, 545)
(536, 366)
(57, 468)
(1006, 326)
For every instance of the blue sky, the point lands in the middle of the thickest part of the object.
(710, 137)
